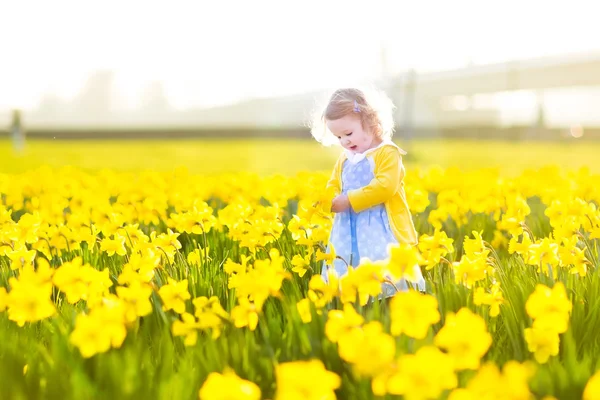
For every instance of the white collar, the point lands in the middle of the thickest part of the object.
(356, 157)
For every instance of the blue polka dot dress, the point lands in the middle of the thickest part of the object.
(366, 234)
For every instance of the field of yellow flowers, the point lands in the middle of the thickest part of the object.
(177, 285)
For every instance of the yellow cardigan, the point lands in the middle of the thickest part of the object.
(387, 187)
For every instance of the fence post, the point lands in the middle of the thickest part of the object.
(17, 132)
(408, 108)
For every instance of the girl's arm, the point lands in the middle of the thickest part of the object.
(389, 173)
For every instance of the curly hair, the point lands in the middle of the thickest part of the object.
(372, 106)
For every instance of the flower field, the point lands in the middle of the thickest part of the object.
(172, 284)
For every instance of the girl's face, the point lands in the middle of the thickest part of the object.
(352, 135)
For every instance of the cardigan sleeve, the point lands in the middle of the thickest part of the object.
(334, 180)
(388, 172)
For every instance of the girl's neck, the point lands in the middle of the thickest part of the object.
(376, 142)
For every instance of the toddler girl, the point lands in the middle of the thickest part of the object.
(370, 203)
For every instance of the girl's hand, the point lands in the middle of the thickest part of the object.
(340, 203)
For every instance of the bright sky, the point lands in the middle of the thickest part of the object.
(213, 52)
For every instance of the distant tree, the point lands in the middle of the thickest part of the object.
(51, 107)
(154, 99)
(94, 102)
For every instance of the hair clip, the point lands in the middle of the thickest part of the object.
(356, 108)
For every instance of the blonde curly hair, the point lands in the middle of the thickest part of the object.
(372, 106)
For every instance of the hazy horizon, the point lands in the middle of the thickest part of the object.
(189, 55)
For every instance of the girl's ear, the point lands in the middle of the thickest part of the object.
(377, 130)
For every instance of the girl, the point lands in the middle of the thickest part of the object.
(370, 203)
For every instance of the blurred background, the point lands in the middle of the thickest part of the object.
(231, 85)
